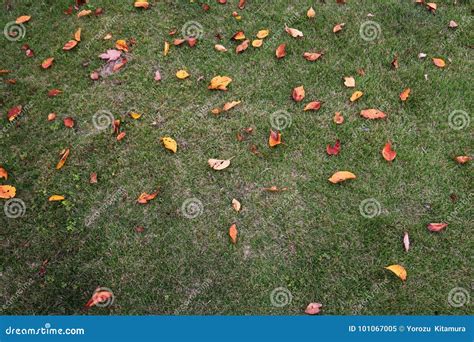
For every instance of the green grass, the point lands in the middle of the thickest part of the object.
(312, 239)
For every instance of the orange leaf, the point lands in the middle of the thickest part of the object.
(405, 94)
(144, 197)
(51, 116)
(341, 176)
(338, 118)
(141, 4)
(274, 138)
(47, 63)
(338, 28)
(77, 35)
(280, 52)
(230, 105)
(440, 63)
(431, 6)
(274, 188)
(463, 159)
(357, 95)
(388, 153)
(238, 36)
(7, 191)
(69, 45)
(99, 296)
(372, 114)
(121, 135)
(121, 45)
(242, 46)
(293, 32)
(54, 92)
(56, 198)
(314, 105)
(14, 112)
(436, 227)
(62, 161)
(298, 93)
(3, 173)
(22, 19)
(312, 56)
(83, 13)
(68, 122)
(398, 270)
(233, 233)
(220, 83)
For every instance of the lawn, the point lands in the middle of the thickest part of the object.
(314, 242)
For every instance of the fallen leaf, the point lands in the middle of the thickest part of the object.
(220, 83)
(338, 118)
(108, 36)
(77, 34)
(394, 63)
(56, 198)
(121, 136)
(139, 229)
(51, 116)
(14, 112)
(274, 188)
(274, 139)
(341, 176)
(372, 114)
(182, 74)
(405, 94)
(141, 4)
(422, 55)
(220, 48)
(111, 55)
(98, 297)
(170, 144)
(22, 19)
(293, 32)
(121, 45)
(7, 191)
(68, 122)
(166, 49)
(314, 105)
(69, 45)
(256, 43)
(312, 56)
(236, 205)
(95, 75)
(398, 270)
(280, 51)
(62, 160)
(47, 63)
(453, 24)
(338, 28)
(440, 63)
(431, 6)
(230, 105)
(135, 115)
(54, 92)
(242, 46)
(144, 197)
(262, 34)
(463, 159)
(157, 76)
(349, 82)
(311, 13)
(93, 178)
(84, 13)
(406, 241)
(436, 227)
(240, 35)
(333, 150)
(3, 173)
(192, 41)
(218, 164)
(313, 308)
(356, 95)
(298, 93)
(233, 233)
(388, 153)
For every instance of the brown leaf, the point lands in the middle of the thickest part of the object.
(62, 160)
(69, 45)
(145, 197)
(93, 178)
(14, 112)
(298, 93)
(218, 164)
(312, 56)
(280, 52)
(243, 46)
(274, 139)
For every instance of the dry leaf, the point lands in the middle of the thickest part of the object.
(338, 28)
(135, 115)
(313, 308)
(99, 296)
(141, 4)
(256, 43)
(440, 63)
(144, 197)
(220, 48)
(47, 63)
(262, 34)
(170, 144)
(14, 112)
(62, 160)
(356, 95)
(293, 32)
(311, 13)
(182, 74)
(453, 24)
(388, 153)
(121, 45)
(56, 198)
(274, 188)
(314, 105)
(236, 205)
(405, 94)
(51, 116)
(312, 56)
(398, 270)
(372, 114)
(93, 178)
(3, 173)
(22, 19)
(436, 227)
(341, 176)
(230, 105)
(394, 63)
(220, 83)
(166, 49)
(431, 6)
(121, 136)
(349, 82)
(218, 164)
(298, 93)
(280, 52)
(84, 13)
(68, 122)
(77, 35)
(69, 45)
(7, 191)
(54, 92)
(233, 233)
(242, 46)
(111, 55)
(240, 35)
(406, 241)
(338, 118)
(462, 159)
(274, 139)
(333, 150)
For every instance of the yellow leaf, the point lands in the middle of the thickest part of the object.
(121, 45)
(357, 95)
(230, 105)
(399, 271)
(220, 83)
(166, 49)
(218, 164)
(62, 161)
(77, 35)
(170, 144)
(262, 34)
(182, 74)
(341, 176)
(56, 198)
(220, 48)
(7, 191)
(236, 205)
(135, 116)
(257, 43)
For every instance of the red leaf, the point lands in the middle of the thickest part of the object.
(14, 112)
(54, 92)
(68, 122)
(436, 227)
(334, 150)
(388, 153)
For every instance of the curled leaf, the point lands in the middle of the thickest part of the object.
(236, 205)
(337, 28)
(77, 34)
(22, 19)
(220, 48)
(341, 176)
(56, 198)
(398, 270)
(314, 105)
(293, 32)
(462, 159)
(338, 118)
(313, 308)
(334, 150)
(406, 241)
(3, 173)
(99, 296)
(218, 164)
(242, 46)
(121, 45)
(405, 94)
(62, 160)
(182, 74)
(69, 45)
(440, 63)
(68, 122)
(436, 227)
(220, 83)
(233, 233)
(7, 191)
(280, 51)
(356, 95)
(144, 197)
(262, 34)
(14, 112)
(312, 56)
(274, 139)
(47, 63)
(298, 93)
(349, 82)
(170, 144)
(256, 43)
(372, 114)
(311, 13)
(388, 153)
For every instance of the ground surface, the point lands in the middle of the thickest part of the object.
(311, 240)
